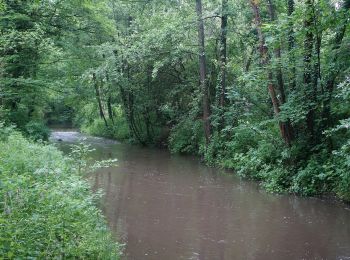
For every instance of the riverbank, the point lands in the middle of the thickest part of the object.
(250, 156)
(47, 210)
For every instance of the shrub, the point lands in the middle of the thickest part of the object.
(91, 124)
(37, 131)
(118, 131)
(315, 178)
(186, 137)
(342, 164)
(276, 178)
(213, 151)
(46, 209)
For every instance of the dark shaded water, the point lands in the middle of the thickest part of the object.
(173, 207)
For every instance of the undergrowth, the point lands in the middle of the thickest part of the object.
(47, 210)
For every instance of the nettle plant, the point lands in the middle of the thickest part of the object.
(47, 210)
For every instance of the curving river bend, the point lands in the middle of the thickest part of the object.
(172, 207)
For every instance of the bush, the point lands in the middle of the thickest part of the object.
(276, 178)
(213, 151)
(37, 131)
(342, 169)
(253, 154)
(316, 177)
(92, 124)
(186, 137)
(118, 131)
(250, 150)
(46, 209)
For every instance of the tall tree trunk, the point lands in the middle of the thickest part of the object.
(318, 42)
(308, 71)
(130, 108)
(291, 43)
(127, 94)
(223, 52)
(287, 127)
(109, 99)
(98, 98)
(109, 108)
(265, 61)
(203, 72)
(277, 52)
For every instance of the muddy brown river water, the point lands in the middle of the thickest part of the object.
(169, 207)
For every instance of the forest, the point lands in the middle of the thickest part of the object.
(261, 87)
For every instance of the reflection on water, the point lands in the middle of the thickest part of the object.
(172, 207)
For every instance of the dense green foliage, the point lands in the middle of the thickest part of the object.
(46, 208)
(261, 87)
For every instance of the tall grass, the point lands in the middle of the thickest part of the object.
(47, 210)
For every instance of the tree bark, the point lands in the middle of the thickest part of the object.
(109, 99)
(109, 108)
(98, 98)
(127, 95)
(291, 43)
(277, 52)
(265, 59)
(223, 52)
(308, 82)
(203, 72)
(287, 127)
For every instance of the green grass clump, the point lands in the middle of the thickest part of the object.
(118, 131)
(47, 210)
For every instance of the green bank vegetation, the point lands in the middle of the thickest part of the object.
(47, 210)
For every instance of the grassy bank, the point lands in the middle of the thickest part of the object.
(47, 210)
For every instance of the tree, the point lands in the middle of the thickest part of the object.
(203, 71)
(223, 52)
(264, 55)
(310, 88)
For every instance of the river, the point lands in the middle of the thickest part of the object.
(164, 206)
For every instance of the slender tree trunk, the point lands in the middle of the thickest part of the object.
(109, 99)
(287, 127)
(291, 43)
(109, 108)
(98, 98)
(223, 52)
(308, 82)
(127, 94)
(318, 42)
(265, 61)
(136, 128)
(130, 103)
(277, 52)
(203, 72)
